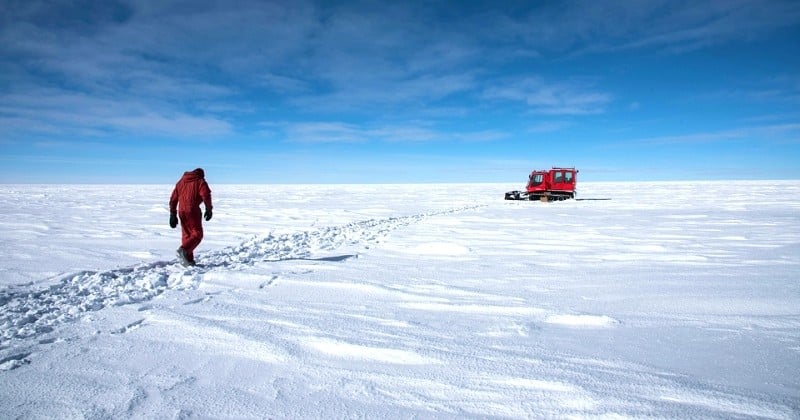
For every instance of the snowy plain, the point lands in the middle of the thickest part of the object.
(673, 300)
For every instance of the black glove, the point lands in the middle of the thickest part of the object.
(208, 214)
(173, 220)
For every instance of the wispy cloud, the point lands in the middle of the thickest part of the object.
(674, 26)
(764, 133)
(548, 126)
(69, 114)
(326, 132)
(553, 98)
(339, 132)
(776, 89)
(284, 84)
(180, 125)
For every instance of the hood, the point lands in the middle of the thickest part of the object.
(195, 174)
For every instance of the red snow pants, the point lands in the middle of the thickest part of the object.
(191, 230)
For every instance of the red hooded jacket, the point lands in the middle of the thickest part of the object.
(189, 192)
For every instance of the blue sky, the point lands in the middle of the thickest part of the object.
(372, 91)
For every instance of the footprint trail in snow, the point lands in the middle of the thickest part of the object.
(25, 313)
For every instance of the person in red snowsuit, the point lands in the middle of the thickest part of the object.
(191, 190)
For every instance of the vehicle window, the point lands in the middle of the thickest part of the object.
(559, 177)
(536, 180)
(568, 177)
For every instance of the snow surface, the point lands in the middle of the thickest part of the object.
(427, 301)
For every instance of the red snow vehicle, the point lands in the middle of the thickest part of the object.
(554, 185)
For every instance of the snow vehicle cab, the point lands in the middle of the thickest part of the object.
(555, 184)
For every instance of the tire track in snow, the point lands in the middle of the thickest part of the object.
(27, 313)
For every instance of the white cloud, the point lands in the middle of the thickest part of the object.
(759, 134)
(339, 132)
(325, 132)
(548, 126)
(551, 98)
(180, 125)
(58, 112)
(583, 27)
(284, 84)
